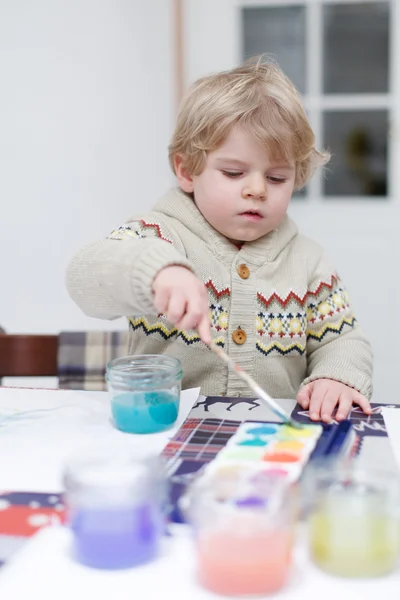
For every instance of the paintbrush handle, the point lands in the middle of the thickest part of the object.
(253, 385)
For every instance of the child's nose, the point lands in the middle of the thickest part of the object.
(255, 188)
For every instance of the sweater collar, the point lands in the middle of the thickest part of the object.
(180, 206)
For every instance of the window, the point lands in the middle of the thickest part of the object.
(337, 53)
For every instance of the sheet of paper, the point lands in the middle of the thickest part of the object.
(392, 423)
(41, 429)
(219, 407)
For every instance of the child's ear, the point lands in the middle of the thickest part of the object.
(183, 176)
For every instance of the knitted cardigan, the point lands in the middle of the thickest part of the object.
(276, 305)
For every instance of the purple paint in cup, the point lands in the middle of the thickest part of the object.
(115, 509)
(116, 538)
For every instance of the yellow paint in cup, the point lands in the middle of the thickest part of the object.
(353, 523)
(353, 542)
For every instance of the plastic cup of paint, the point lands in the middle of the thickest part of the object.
(353, 520)
(243, 533)
(145, 392)
(115, 508)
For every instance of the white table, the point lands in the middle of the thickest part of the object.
(33, 448)
(41, 429)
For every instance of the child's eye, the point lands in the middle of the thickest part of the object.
(276, 180)
(232, 174)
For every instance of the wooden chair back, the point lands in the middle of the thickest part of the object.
(28, 355)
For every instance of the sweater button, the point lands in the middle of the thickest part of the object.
(239, 336)
(243, 271)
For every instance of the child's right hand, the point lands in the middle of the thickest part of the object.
(183, 299)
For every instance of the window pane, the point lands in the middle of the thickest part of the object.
(358, 142)
(279, 32)
(356, 48)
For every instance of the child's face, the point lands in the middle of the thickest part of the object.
(242, 192)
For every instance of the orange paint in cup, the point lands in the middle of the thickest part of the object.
(244, 541)
(233, 564)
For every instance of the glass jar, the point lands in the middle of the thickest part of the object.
(353, 519)
(243, 531)
(116, 508)
(145, 392)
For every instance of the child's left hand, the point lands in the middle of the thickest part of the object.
(322, 396)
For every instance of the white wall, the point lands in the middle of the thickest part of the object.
(86, 110)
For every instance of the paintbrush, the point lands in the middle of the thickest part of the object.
(253, 385)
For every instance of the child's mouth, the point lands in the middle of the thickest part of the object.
(252, 215)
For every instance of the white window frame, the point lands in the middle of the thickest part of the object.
(316, 101)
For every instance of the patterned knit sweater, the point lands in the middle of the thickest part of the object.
(276, 305)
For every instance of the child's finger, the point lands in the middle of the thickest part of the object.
(190, 320)
(196, 311)
(331, 399)
(205, 330)
(176, 308)
(363, 403)
(316, 400)
(304, 394)
(344, 407)
(161, 300)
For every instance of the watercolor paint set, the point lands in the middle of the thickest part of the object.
(225, 447)
(270, 448)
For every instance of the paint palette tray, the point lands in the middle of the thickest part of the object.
(224, 447)
(260, 448)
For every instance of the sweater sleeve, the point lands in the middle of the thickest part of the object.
(112, 278)
(336, 346)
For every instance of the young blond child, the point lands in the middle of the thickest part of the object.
(219, 258)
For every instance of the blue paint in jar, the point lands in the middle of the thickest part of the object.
(145, 412)
(116, 538)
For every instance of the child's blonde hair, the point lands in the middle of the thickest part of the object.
(257, 95)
